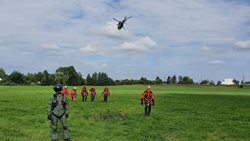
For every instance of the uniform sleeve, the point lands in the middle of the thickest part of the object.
(49, 106)
(153, 96)
(142, 96)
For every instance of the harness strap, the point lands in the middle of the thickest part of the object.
(54, 104)
(59, 116)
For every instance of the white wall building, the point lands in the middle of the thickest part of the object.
(227, 82)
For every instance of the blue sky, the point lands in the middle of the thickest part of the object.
(203, 39)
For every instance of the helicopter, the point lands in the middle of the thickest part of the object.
(121, 23)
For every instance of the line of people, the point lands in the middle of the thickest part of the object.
(58, 109)
(84, 93)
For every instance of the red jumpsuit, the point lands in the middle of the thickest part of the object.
(84, 93)
(106, 93)
(93, 93)
(148, 99)
(66, 92)
(73, 94)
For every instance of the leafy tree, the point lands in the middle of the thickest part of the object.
(16, 77)
(30, 78)
(211, 82)
(45, 78)
(236, 82)
(3, 75)
(158, 80)
(95, 78)
(68, 75)
(169, 80)
(89, 80)
(187, 80)
(180, 80)
(100, 79)
(219, 82)
(117, 82)
(126, 82)
(143, 80)
(38, 77)
(61, 78)
(174, 80)
(204, 82)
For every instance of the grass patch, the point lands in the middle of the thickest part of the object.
(110, 115)
(189, 113)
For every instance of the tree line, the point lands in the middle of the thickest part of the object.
(69, 76)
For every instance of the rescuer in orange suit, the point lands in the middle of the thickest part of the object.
(73, 94)
(148, 99)
(66, 92)
(93, 93)
(84, 93)
(106, 93)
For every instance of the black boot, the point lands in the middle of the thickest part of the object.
(149, 109)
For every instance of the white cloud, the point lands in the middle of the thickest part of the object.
(141, 45)
(216, 62)
(90, 49)
(110, 30)
(177, 28)
(242, 45)
(104, 65)
(51, 47)
(100, 65)
(206, 49)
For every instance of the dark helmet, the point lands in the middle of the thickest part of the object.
(57, 88)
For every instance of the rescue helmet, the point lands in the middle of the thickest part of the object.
(75, 88)
(57, 88)
(65, 86)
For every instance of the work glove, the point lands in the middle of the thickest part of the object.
(49, 117)
(67, 115)
(141, 103)
(153, 104)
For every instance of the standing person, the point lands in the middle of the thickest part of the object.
(84, 93)
(73, 94)
(58, 110)
(147, 98)
(93, 93)
(66, 92)
(106, 93)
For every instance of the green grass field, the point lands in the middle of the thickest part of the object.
(181, 113)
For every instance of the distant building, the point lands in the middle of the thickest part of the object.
(227, 82)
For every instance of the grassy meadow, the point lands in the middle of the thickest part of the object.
(181, 113)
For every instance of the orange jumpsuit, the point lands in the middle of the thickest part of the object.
(66, 92)
(106, 93)
(147, 98)
(84, 93)
(93, 93)
(73, 94)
